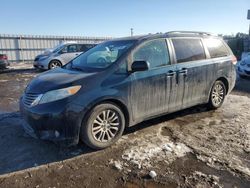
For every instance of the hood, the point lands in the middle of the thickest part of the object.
(47, 51)
(55, 79)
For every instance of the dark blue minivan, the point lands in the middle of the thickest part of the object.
(122, 82)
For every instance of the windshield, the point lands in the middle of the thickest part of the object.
(57, 48)
(101, 56)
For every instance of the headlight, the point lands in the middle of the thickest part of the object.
(243, 62)
(55, 95)
(43, 58)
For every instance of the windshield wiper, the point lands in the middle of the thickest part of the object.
(75, 68)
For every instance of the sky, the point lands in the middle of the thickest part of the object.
(114, 18)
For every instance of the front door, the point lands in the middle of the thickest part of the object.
(151, 90)
(70, 52)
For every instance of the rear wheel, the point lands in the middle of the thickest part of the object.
(217, 95)
(103, 127)
(54, 64)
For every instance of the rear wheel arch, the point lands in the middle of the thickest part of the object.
(225, 82)
(217, 93)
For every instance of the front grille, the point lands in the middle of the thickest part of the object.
(29, 98)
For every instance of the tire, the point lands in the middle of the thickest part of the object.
(103, 126)
(54, 64)
(217, 95)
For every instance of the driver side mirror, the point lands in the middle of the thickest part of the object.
(139, 66)
(63, 51)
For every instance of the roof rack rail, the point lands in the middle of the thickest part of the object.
(189, 32)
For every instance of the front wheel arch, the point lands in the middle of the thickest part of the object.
(54, 60)
(84, 133)
(116, 102)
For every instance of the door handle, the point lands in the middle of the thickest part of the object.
(170, 73)
(183, 71)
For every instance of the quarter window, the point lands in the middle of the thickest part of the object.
(82, 48)
(154, 52)
(188, 50)
(216, 48)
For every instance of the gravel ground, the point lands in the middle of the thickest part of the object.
(191, 148)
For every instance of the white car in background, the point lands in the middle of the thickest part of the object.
(60, 55)
(243, 67)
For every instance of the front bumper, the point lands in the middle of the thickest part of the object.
(41, 64)
(243, 71)
(4, 64)
(38, 66)
(56, 121)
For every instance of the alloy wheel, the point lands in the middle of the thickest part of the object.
(218, 94)
(55, 64)
(106, 125)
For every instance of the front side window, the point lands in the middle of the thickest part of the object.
(155, 52)
(216, 48)
(101, 56)
(72, 48)
(188, 50)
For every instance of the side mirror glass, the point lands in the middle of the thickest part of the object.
(139, 66)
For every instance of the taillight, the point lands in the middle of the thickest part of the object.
(3, 57)
(234, 60)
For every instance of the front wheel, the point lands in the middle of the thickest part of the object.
(103, 127)
(54, 64)
(217, 95)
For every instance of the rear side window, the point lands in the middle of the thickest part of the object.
(155, 52)
(216, 48)
(188, 50)
(84, 47)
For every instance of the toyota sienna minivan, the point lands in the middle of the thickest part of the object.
(60, 55)
(140, 78)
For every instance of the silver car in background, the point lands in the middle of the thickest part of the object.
(60, 55)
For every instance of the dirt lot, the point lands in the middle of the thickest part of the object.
(191, 148)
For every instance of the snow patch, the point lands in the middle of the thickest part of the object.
(153, 149)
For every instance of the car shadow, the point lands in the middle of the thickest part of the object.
(19, 151)
(22, 70)
(167, 117)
